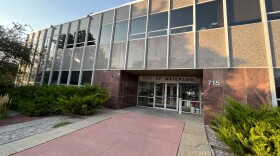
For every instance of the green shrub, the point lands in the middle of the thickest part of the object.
(248, 130)
(44, 100)
(4, 103)
(60, 124)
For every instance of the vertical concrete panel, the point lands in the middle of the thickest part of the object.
(89, 58)
(58, 60)
(181, 53)
(108, 17)
(158, 5)
(76, 64)
(139, 9)
(67, 59)
(118, 54)
(122, 13)
(180, 3)
(274, 30)
(156, 54)
(247, 46)
(211, 49)
(136, 54)
(103, 56)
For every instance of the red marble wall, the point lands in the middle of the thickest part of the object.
(247, 85)
(121, 86)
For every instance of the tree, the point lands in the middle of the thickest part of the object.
(13, 51)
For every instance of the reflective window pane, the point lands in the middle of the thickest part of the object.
(81, 36)
(243, 12)
(61, 41)
(181, 17)
(106, 32)
(74, 77)
(158, 33)
(158, 21)
(273, 16)
(209, 15)
(272, 5)
(64, 77)
(181, 30)
(93, 36)
(120, 31)
(86, 78)
(138, 25)
(138, 36)
(277, 82)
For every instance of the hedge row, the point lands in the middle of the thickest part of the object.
(46, 100)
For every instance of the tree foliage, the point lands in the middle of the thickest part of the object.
(13, 51)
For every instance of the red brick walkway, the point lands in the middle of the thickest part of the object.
(129, 134)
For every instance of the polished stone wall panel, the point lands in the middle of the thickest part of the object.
(108, 17)
(58, 60)
(139, 9)
(181, 3)
(241, 84)
(274, 30)
(89, 58)
(103, 56)
(67, 59)
(158, 5)
(181, 54)
(76, 64)
(247, 46)
(156, 54)
(211, 49)
(118, 55)
(135, 58)
(122, 13)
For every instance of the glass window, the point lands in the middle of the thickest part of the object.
(138, 25)
(81, 38)
(273, 9)
(64, 77)
(181, 20)
(146, 94)
(93, 35)
(243, 12)
(277, 82)
(157, 33)
(74, 77)
(106, 31)
(55, 77)
(71, 39)
(272, 5)
(120, 31)
(181, 17)
(61, 41)
(86, 78)
(158, 21)
(209, 15)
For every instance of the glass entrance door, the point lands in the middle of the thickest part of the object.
(159, 95)
(171, 96)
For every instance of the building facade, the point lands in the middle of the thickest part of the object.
(166, 53)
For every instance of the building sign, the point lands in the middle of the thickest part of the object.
(170, 79)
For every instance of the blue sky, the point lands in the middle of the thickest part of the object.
(43, 13)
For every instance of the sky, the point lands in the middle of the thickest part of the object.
(40, 14)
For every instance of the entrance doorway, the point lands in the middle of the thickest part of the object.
(167, 95)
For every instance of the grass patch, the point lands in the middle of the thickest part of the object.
(63, 123)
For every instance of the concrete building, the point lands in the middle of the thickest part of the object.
(164, 53)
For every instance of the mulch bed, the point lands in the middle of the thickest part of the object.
(16, 119)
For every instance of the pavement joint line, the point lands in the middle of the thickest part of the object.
(20, 145)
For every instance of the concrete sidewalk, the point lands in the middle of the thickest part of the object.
(193, 140)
